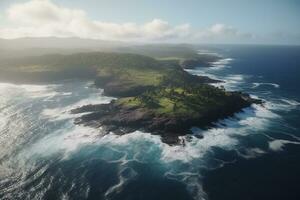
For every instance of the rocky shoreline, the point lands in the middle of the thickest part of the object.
(191, 63)
(170, 109)
(122, 119)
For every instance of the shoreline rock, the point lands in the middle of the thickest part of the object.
(121, 119)
(206, 61)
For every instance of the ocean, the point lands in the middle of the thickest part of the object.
(252, 155)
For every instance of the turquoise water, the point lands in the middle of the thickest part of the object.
(45, 156)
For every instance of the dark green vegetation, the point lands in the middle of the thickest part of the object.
(88, 65)
(168, 111)
(157, 95)
(120, 74)
(177, 101)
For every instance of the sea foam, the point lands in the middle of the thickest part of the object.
(278, 145)
(221, 63)
(275, 85)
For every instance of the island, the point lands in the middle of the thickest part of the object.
(154, 95)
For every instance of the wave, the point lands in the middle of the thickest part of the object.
(31, 91)
(251, 153)
(282, 104)
(202, 72)
(67, 139)
(291, 102)
(207, 52)
(218, 64)
(62, 113)
(278, 145)
(229, 82)
(275, 85)
(27, 87)
(223, 135)
(235, 77)
(221, 63)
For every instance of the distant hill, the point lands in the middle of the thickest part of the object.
(122, 68)
(115, 72)
(57, 43)
(22, 47)
(159, 51)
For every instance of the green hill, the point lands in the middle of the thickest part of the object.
(120, 74)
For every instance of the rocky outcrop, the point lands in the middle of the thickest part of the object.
(120, 119)
(201, 60)
(192, 63)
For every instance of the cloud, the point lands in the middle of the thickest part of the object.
(222, 32)
(222, 29)
(40, 18)
(37, 12)
(43, 18)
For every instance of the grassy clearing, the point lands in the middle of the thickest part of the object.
(177, 101)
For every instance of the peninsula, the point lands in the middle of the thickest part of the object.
(153, 95)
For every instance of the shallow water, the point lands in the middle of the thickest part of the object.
(45, 156)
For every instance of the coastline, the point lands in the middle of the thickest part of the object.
(160, 97)
(122, 118)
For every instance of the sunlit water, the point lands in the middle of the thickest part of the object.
(45, 156)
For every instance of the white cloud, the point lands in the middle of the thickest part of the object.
(42, 18)
(222, 29)
(223, 33)
(37, 12)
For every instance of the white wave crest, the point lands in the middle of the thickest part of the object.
(67, 139)
(230, 82)
(275, 85)
(251, 153)
(282, 104)
(221, 63)
(249, 121)
(277, 145)
(207, 52)
(31, 91)
(62, 113)
(291, 102)
(223, 135)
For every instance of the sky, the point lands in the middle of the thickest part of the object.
(176, 21)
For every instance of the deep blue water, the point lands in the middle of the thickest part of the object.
(254, 155)
(275, 175)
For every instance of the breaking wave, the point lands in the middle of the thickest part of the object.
(219, 64)
(255, 85)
